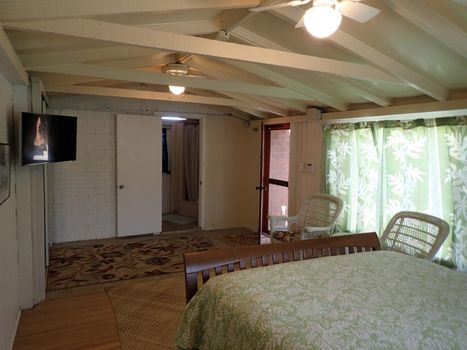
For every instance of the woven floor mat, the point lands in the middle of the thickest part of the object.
(148, 313)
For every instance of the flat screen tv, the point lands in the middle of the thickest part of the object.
(47, 138)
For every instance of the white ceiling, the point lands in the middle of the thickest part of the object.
(412, 51)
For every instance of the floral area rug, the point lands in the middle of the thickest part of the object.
(85, 263)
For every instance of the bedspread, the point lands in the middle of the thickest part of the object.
(373, 300)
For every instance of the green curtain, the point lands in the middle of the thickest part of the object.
(381, 168)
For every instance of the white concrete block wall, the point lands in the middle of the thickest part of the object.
(83, 192)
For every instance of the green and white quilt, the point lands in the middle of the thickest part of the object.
(373, 300)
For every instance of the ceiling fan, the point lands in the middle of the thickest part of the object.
(179, 69)
(324, 16)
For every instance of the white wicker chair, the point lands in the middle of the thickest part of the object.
(415, 234)
(317, 216)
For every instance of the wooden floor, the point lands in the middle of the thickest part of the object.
(72, 323)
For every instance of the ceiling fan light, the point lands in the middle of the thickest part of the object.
(177, 90)
(322, 19)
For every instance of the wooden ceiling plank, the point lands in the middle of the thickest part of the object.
(84, 55)
(187, 27)
(231, 19)
(307, 91)
(149, 38)
(256, 113)
(427, 19)
(256, 39)
(56, 80)
(217, 72)
(259, 105)
(10, 64)
(103, 72)
(388, 64)
(147, 62)
(404, 73)
(358, 89)
(233, 112)
(48, 9)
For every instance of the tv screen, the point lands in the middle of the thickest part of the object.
(47, 138)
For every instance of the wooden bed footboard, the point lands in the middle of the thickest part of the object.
(200, 266)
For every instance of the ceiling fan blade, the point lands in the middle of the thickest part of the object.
(280, 5)
(357, 11)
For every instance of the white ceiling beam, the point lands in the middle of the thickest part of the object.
(145, 95)
(307, 91)
(84, 55)
(47, 9)
(153, 61)
(10, 64)
(188, 27)
(142, 37)
(256, 39)
(251, 102)
(217, 71)
(385, 62)
(436, 109)
(56, 80)
(427, 19)
(405, 74)
(139, 76)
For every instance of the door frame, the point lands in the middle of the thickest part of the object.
(265, 179)
(202, 172)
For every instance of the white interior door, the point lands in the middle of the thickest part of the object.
(139, 175)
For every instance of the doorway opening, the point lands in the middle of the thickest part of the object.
(180, 175)
(275, 179)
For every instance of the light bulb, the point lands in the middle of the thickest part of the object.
(322, 19)
(177, 90)
(172, 118)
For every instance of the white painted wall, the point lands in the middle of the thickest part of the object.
(9, 273)
(306, 148)
(306, 140)
(78, 189)
(230, 153)
(82, 193)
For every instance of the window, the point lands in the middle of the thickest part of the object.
(381, 168)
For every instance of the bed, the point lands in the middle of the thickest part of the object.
(371, 300)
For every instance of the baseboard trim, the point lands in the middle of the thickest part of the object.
(12, 341)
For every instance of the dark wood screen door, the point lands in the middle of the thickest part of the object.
(275, 186)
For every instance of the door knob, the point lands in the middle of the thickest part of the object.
(121, 187)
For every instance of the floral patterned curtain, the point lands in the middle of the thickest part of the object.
(381, 168)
